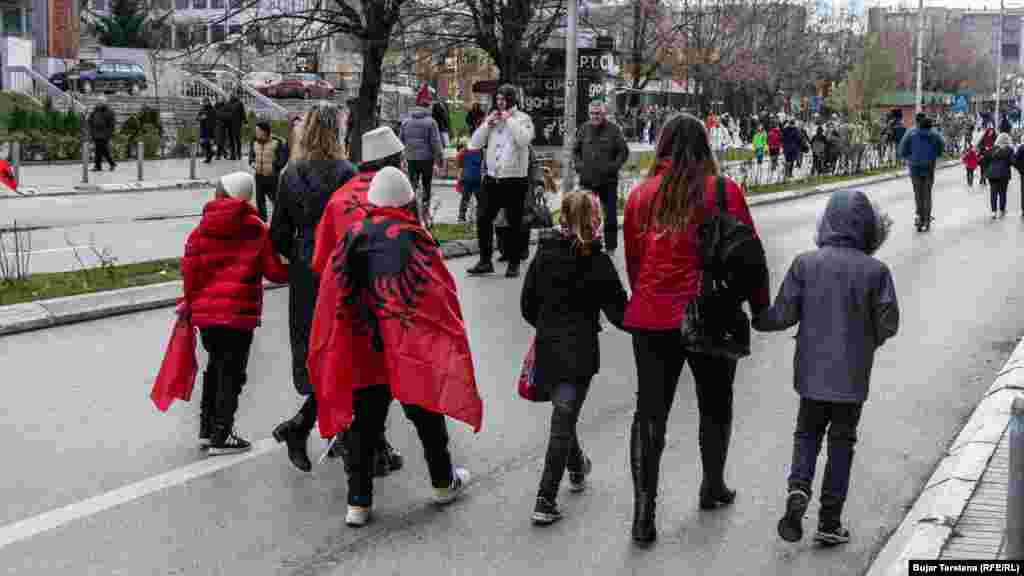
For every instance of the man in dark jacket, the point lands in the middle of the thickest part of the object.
(236, 115)
(423, 148)
(207, 129)
(599, 152)
(102, 123)
(921, 148)
(440, 113)
(792, 146)
(223, 115)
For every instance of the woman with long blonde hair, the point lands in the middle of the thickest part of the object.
(316, 169)
(660, 229)
(569, 281)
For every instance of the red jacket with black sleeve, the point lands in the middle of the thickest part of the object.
(664, 266)
(226, 258)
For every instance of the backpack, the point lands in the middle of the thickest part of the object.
(733, 262)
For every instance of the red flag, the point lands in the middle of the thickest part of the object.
(7, 175)
(394, 319)
(177, 374)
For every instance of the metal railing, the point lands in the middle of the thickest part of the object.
(195, 86)
(34, 84)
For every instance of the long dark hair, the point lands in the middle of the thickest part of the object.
(684, 141)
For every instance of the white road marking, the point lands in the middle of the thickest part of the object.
(30, 527)
(65, 249)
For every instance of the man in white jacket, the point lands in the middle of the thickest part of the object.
(506, 133)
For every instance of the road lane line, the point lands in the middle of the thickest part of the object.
(30, 527)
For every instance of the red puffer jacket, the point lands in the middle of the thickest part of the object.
(663, 267)
(226, 258)
(774, 140)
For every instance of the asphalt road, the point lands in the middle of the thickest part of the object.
(81, 433)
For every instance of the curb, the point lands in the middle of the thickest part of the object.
(30, 316)
(934, 515)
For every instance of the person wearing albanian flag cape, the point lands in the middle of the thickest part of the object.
(388, 326)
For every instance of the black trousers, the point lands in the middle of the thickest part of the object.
(970, 179)
(103, 153)
(507, 193)
(813, 419)
(923, 194)
(608, 194)
(370, 407)
(659, 361)
(564, 450)
(235, 141)
(228, 350)
(997, 193)
(266, 189)
(421, 172)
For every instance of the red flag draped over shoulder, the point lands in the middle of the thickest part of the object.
(394, 319)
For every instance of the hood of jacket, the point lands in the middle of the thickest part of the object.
(560, 253)
(420, 112)
(849, 221)
(228, 218)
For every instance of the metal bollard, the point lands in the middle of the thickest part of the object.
(192, 161)
(85, 161)
(16, 158)
(1015, 491)
(140, 156)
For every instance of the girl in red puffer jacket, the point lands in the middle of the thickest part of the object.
(226, 258)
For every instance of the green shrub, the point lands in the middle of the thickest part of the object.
(18, 120)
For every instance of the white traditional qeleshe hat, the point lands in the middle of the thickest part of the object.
(238, 185)
(380, 143)
(390, 187)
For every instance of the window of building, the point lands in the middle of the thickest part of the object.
(217, 4)
(235, 29)
(181, 4)
(199, 4)
(99, 5)
(12, 22)
(236, 4)
(217, 33)
(1011, 51)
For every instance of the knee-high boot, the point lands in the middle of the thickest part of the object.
(714, 447)
(647, 441)
(295, 432)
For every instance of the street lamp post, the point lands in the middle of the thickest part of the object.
(920, 56)
(999, 60)
(571, 62)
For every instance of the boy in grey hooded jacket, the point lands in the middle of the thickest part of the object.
(845, 302)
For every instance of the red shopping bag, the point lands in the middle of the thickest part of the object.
(528, 380)
(178, 370)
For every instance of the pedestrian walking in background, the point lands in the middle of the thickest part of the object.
(921, 148)
(845, 302)
(470, 163)
(440, 114)
(316, 170)
(268, 156)
(423, 148)
(567, 284)
(226, 258)
(475, 116)
(774, 144)
(236, 118)
(1018, 163)
(223, 134)
(970, 161)
(207, 129)
(371, 343)
(792, 146)
(819, 150)
(985, 145)
(760, 143)
(662, 263)
(102, 123)
(506, 134)
(999, 174)
(599, 152)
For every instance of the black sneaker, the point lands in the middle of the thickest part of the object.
(545, 512)
(387, 460)
(513, 270)
(578, 479)
(831, 535)
(230, 444)
(790, 526)
(481, 268)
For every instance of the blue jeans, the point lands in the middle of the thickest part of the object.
(840, 420)
(564, 449)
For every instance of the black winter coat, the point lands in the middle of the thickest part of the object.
(999, 167)
(304, 190)
(562, 294)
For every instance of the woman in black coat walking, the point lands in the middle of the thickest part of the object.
(567, 284)
(317, 168)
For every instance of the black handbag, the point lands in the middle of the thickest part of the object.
(732, 259)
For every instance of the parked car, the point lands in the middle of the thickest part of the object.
(102, 76)
(298, 85)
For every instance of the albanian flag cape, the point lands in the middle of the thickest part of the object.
(388, 313)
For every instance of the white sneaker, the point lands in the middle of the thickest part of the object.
(995, 216)
(357, 516)
(448, 495)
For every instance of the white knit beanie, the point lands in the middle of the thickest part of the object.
(238, 185)
(390, 188)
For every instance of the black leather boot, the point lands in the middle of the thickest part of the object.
(714, 447)
(206, 408)
(295, 432)
(645, 447)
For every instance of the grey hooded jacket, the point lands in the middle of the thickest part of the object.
(843, 299)
(421, 136)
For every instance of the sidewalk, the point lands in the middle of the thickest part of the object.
(49, 313)
(961, 513)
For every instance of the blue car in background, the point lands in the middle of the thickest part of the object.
(106, 76)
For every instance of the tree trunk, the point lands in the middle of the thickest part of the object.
(365, 113)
